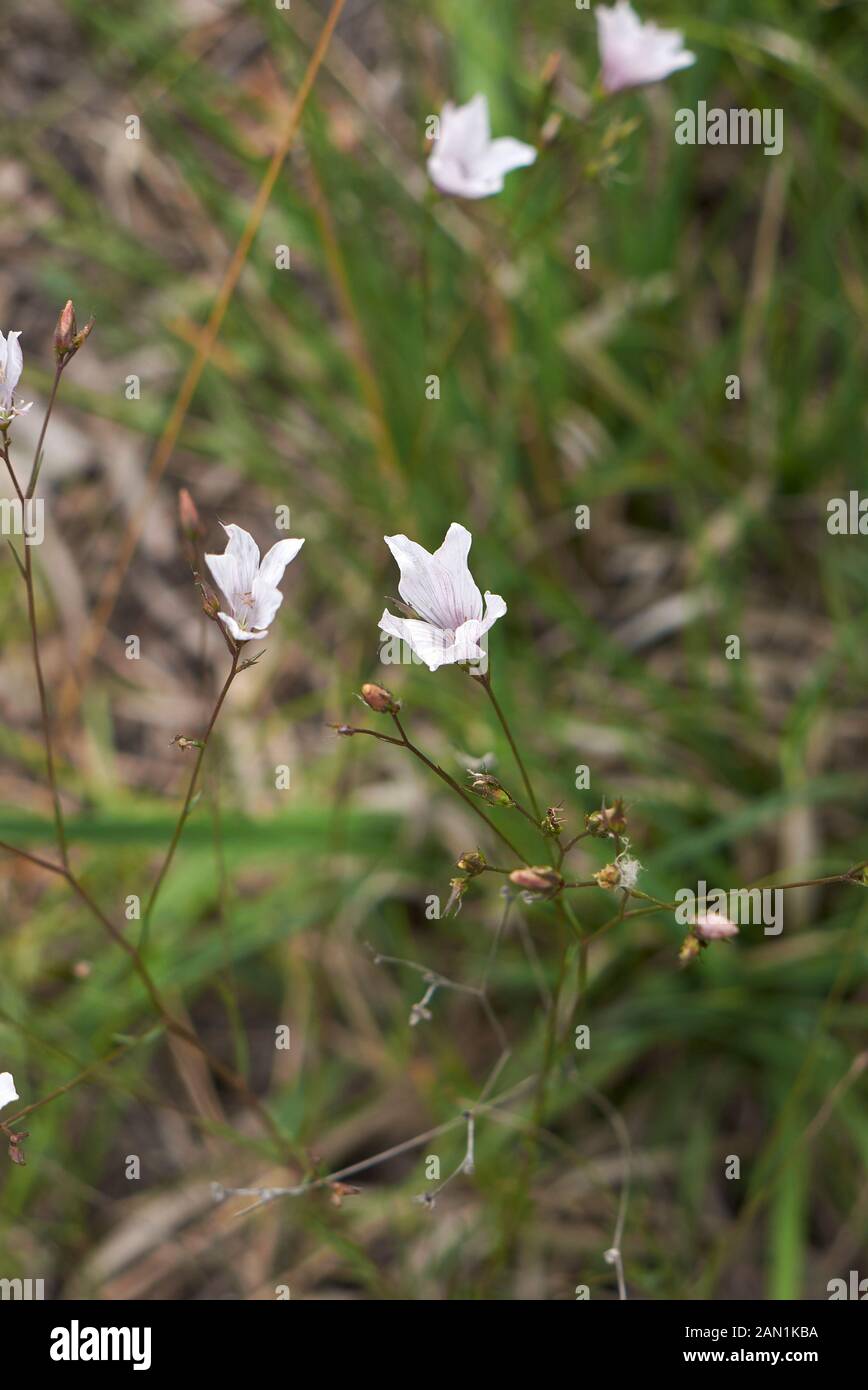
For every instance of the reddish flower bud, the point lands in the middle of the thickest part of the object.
(379, 699)
(65, 331)
(188, 516)
(539, 879)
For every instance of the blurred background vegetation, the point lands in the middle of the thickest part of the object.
(558, 387)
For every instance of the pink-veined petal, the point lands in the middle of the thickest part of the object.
(236, 569)
(433, 646)
(452, 555)
(443, 593)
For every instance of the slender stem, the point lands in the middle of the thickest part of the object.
(180, 1030)
(10, 469)
(450, 782)
(37, 457)
(485, 682)
(43, 706)
(565, 849)
(185, 809)
(27, 572)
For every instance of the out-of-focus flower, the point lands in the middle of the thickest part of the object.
(465, 161)
(633, 53)
(714, 926)
(440, 589)
(250, 587)
(11, 367)
(8, 1092)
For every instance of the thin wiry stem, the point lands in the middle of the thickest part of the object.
(180, 1030)
(185, 809)
(27, 575)
(451, 782)
(485, 682)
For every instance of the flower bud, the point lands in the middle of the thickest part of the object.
(473, 862)
(542, 880)
(83, 334)
(488, 787)
(609, 877)
(609, 820)
(65, 331)
(68, 337)
(210, 604)
(379, 699)
(714, 926)
(622, 874)
(188, 515)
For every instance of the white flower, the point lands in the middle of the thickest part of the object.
(250, 588)
(629, 868)
(633, 53)
(465, 160)
(440, 589)
(713, 926)
(11, 365)
(8, 1092)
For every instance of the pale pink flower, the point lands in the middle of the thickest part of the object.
(250, 587)
(714, 926)
(440, 590)
(465, 161)
(633, 53)
(8, 1092)
(11, 366)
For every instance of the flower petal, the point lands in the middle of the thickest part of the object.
(14, 360)
(240, 634)
(433, 646)
(465, 131)
(504, 155)
(8, 1092)
(265, 605)
(275, 561)
(236, 569)
(438, 587)
(452, 555)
